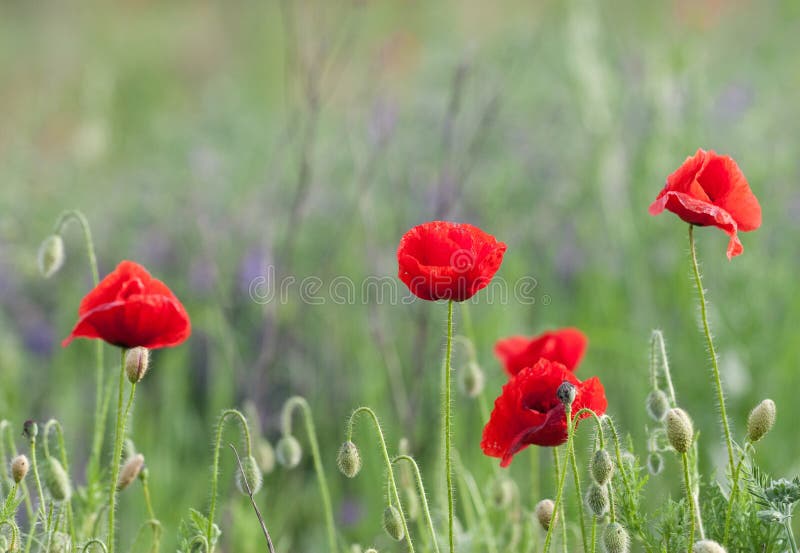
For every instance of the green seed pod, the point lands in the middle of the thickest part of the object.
(566, 393)
(19, 468)
(707, 546)
(655, 463)
(288, 452)
(56, 480)
(761, 420)
(137, 361)
(602, 467)
(30, 429)
(616, 539)
(130, 471)
(393, 524)
(657, 405)
(544, 512)
(265, 455)
(680, 431)
(51, 255)
(349, 460)
(472, 380)
(253, 474)
(597, 499)
(502, 492)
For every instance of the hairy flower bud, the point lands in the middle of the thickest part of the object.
(19, 468)
(253, 474)
(349, 460)
(288, 452)
(707, 546)
(502, 492)
(566, 393)
(51, 255)
(616, 539)
(680, 430)
(137, 361)
(472, 380)
(597, 499)
(544, 512)
(602, 467)
(265, 455)
(130, 471)
(57, 480)
(761, 420)
(657, 405)
(30, 429)
(393, 524)
(655, 463)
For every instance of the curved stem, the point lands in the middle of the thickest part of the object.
(690, 497)
(15, 537)
(288, 408)
(618, 454)
(448, 430)
(94, 541)
(559, 492)
(659, 348)
(155, 524)
(712, 351)
(253, 501)
(49, 425)
(119, 435)
(480, 507)
(423, 497)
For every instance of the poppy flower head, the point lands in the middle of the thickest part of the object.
(710, 190)
(528, 411)
(565, 346)
(441, 260)
(129, 308)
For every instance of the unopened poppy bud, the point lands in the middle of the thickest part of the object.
(348, 460)
(253, 475)
(371, 550)
(30, 429)
(707, 546)
(393, 524)
(655, 463)
(130, 471)
(19, 468)
(265, 455)
(616, 539)
(137, 361)
(544, 512)
(502, 492)
(57, 480)
(602, 467)
(472, 380)
(288, 452)
(761, 420)
(597, 499)
(355, 548)
(566, 393)
(680, 430)
(144, 474)
(51, 255)
(657, 405)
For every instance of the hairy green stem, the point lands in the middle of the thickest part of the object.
(690, 497)
(423, 497)
(119, 435)
(562, 477)
(659, 349)
(94, 541)
(54, 424)
(578, 493)
(448, 430)
(732, 498)
(155, 524)
(480, 507)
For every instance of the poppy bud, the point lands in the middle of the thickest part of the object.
(616, 539)
(253, 475)
(265, 455)
(371, 550)
(288, 452)
(51, 255)
(761, 420)
(349, 460)
(60, 543)
(130, 470)
(472, 380)
(502, 493)
(566, 393)
(707, 546)
(680, 430)
(544, 512)
(137, 361)
(602, 467)
(56, 480)
(597, 499)
(393, 524)
(355, 548)
(19, 468)
(657, 405)
(30, 429)
(144, 474)
(655, 463)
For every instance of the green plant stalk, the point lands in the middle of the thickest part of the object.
(5, 427)
(732, 498)
(392, 482)
(423, 497)
(15, 536)
(155, 524)
(49, 526)
(40, 509)
(712, 351)
(289, 406)
(787, 524)
(562, 478)
(97, 542)
(53, 423)
(658, 346)
(618, 455)
(594, 531)
(209, 537)
(480, 507)
(690, 497)
(448, 431)
(579, 493)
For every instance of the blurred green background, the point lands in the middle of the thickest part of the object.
(211, 141)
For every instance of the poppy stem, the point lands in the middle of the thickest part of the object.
(558, 514)
(578, 493)
(448, 428)
(734, 494)
(119, 434)
(659, 350)
(53, 423)
(423, 497)
(690, 496)
(712, 351)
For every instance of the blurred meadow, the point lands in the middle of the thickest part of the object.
(218, 143)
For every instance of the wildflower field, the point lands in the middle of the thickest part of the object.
(396, 276)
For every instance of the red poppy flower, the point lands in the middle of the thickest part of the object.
(528, 412)
(129, 308)
(565, 346)
(710, 190)
(448, 261)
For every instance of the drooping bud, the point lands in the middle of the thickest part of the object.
(265, 455)
(288, 452)
(19, 468)
(616, 539)
(130, 471)
(680, 430)
(393, 524)
(57, 480)
(707, 546)
(657, 405)
(566, 393)
(51, 255)
(761, 420)
(597, 499)
(252, 473)
(30, 429)
(544, 512)
(137, 361)
(472, 380)
(655, 463)
(349, 460)
(602, 467)
(502, 492)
